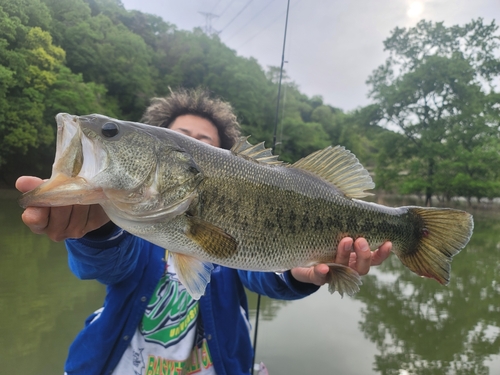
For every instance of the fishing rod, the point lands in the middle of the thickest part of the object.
(276, 121)
(281, 77)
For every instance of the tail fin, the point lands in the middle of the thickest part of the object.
(443, 233)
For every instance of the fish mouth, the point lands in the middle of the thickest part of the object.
(78, 159)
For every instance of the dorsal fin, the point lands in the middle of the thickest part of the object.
(339, 167)
(257, 153)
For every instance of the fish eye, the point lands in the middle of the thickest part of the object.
(109, 129)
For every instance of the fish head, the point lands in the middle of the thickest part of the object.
(134, 168)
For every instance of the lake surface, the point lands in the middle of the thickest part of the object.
(399, 324)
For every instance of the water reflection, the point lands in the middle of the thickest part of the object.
(42, 306)
(420, 327)
(269, 308)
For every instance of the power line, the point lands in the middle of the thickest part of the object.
(269, 25)
(251, 19)
(215, 6)
(226, 8)
(261, 30)
(241, 11)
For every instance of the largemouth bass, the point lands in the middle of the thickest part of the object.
(240, 208)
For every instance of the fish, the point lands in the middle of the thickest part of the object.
(241, 208)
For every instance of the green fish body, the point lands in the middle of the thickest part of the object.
(241, 208)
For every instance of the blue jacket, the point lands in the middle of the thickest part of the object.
(131, 268)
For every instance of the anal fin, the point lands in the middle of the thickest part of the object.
(193, 273)
(343, 279)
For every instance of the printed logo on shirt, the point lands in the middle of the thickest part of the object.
(199, 361)
(171, 313)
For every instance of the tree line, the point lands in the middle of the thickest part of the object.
(433, 127)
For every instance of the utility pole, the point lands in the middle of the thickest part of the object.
(208, 29)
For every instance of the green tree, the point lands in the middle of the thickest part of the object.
(436, 88)
(359, 136)
(31, 13)
(105, 52)
(301, 139)
(66, 14)
(192, 59)
(303, 123)
(28, 62)
(331, 120)
(34, 86)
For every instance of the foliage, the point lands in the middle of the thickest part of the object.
(35, 84)
(437, 88)
(108, 54)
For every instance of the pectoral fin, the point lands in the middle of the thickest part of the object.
(214, 240)
(193, 273)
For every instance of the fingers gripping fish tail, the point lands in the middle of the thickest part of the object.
(440, 234)
(343, 280)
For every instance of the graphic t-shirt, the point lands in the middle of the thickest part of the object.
(170, 338)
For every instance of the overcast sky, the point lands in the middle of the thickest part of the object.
(332, 46)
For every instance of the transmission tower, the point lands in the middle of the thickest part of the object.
(208, 29)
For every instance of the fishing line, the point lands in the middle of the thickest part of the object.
(273, 148)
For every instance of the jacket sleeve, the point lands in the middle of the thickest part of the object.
(276, 285)
(109, 257)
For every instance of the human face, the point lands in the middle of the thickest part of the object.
(197, 127)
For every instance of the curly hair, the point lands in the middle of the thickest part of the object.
(198, 102)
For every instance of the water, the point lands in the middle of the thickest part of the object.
(398, 324)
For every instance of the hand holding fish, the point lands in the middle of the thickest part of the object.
(60, 223)
(355, 254)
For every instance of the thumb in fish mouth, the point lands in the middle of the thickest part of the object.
(27, 183)
(62, 190)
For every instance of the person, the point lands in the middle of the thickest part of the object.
(148, 323)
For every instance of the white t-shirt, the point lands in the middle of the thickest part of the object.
(170, 336)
